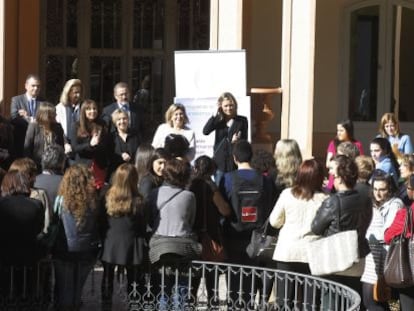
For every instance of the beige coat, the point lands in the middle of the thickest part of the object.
(294, 217)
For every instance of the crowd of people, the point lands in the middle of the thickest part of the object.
(81, 184)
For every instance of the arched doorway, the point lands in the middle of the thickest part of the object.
(378, 64)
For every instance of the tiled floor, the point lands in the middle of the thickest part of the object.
(91, 296)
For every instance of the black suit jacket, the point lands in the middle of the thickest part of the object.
(222, 143)
(19, 123)
(135, 122)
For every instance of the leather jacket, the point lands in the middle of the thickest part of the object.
(352, 211)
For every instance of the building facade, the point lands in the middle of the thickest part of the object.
(333, 59)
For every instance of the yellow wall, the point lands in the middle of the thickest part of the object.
(262, 23)
(22, 41)
(262, 30)
(327, 74)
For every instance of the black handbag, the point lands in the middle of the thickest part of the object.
(397, 267)
(47, 240)
(262, 243)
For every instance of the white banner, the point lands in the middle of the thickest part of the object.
(204, 74)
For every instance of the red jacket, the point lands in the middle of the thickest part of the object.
(397, 225)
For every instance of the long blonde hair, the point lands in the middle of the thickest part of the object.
(78, 192)
(123, 197)
(64, 96)
(288, 159)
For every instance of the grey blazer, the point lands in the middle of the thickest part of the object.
(20, 102)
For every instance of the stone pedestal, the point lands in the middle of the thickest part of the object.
(261, 112)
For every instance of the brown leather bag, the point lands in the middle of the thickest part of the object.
(212, 250)
(381, 291)
(397, 267)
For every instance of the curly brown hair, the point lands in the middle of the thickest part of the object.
(123, 197)
(78, 192)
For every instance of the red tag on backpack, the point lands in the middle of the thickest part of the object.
(249, 214)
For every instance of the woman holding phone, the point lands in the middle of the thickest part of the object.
(229, 127)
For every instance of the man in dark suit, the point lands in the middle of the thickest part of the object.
(23, 110)
(122, 96)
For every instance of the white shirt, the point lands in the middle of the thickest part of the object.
(165, 129)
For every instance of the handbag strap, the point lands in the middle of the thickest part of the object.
(57, 207)
(172, 197)
(265, 227)
(408, 222)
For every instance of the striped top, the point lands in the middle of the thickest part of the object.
(382, 218)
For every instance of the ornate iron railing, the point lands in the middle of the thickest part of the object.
(193, 286)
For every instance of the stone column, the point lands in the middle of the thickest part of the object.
(298, 50)
(226, 19)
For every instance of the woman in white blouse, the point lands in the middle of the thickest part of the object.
(293, 213)
(68, 108)
(176, 121)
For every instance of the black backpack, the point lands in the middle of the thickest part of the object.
(247, 202)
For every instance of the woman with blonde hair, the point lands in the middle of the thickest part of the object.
(42, 133)
(124, 142)
(229, 127)
(77, 242)
(68, 108)
(365, 166)
(389, 128)
(288, 159)
(124, 243)
(176, 123)
(406, 170)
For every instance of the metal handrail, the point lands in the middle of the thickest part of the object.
(197, 285)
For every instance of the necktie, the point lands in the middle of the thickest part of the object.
(75, 114)
(32, 107)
